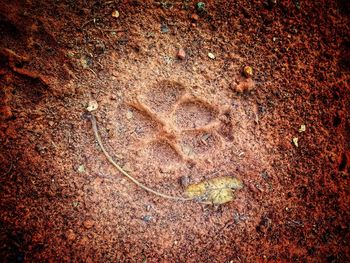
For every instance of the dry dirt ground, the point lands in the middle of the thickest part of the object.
(171, 121)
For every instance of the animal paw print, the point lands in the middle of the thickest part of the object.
(171, 125)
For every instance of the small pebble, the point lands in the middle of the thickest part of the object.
(88, 223)
(5, 113)
(302, 128)
(164, 28)
(129, 115)
(147, 218)
(185, 181)
(253, 188)
(181, 54)
(81, 169)
(115, 14)
(92, 105)
(70, 235)
(211, 55)
(248, 71)
(194, 17)
(272, 3)
(295, 141)
(100, 48)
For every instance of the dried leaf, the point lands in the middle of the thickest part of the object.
(215, 191)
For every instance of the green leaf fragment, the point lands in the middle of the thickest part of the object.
(200, 6)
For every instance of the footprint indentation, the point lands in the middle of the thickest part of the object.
(193, 114)
(134, 123)
(161, 153)
(196, 143)
(141, 123)
(161, 97)
(226, 127)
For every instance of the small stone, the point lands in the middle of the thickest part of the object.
(272, 3)
(147, 218)
(129, 115)
(164, 28)
(5, 113)
(115, 14)
(70, 235)
(302, 128)
(51, 123)
(181, 54)
(70, 54)
(92, 105)
(184, 181)
(211, 55)
(100, 48)
(88, 223)
(253, 188)
(248, 71)
(194, 17)
(295, 141)
(40, 148)
(81, 169)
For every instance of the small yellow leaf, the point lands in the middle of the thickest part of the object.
(214, 191)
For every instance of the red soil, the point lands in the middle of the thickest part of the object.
(168, 120)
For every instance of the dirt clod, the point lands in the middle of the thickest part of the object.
(71, 236)
(89, 223)
(194, 17)
(181, 54)
(5, 113)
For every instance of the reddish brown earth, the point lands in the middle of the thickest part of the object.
(169, 118)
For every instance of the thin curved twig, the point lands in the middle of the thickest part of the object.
(110, 159)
